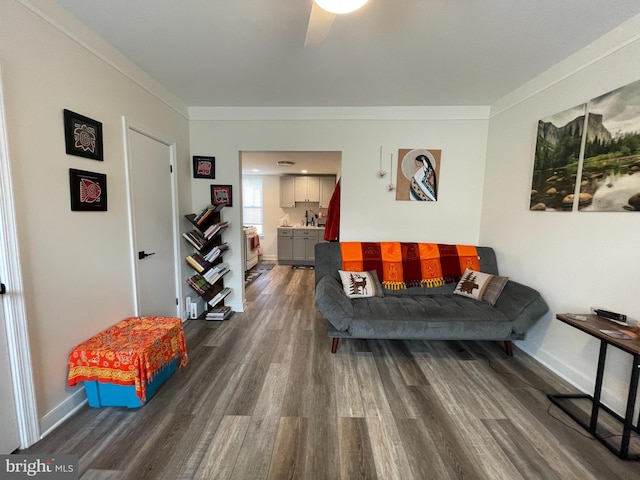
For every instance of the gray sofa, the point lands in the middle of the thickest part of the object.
(423, 313)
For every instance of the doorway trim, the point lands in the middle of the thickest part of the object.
(128, 126)
(13, 302)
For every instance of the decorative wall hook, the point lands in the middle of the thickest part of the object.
(380, 173)
(392, 186)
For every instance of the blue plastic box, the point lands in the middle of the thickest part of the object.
(112, 395)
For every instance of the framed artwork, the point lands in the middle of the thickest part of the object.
(88, 191)
(418, 175)
(221, 195)
(204, 167)
(82, 136)
(557, 160)
(610, 180)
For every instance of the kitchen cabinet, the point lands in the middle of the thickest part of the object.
(285, 245)
(306, 188)
(287, 199)
(327, 186)
(304, 242)
(296, 246)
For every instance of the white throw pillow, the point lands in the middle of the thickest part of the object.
(361, 284)
(481, 286)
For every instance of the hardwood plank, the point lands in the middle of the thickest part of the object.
(356, 455)
(220, 458)
(287, 460)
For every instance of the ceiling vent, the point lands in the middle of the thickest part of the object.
(285, 163)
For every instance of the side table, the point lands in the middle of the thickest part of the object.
(593, 326)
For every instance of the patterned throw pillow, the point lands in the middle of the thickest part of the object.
(481, 286)
(361, 284)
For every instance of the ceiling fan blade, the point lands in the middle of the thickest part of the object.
(319, 25)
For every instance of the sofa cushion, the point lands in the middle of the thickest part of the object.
(429, 316)
(361, 284)
(481, 286)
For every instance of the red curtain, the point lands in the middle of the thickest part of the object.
(332, 227)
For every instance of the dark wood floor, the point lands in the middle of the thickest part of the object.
(263, 397)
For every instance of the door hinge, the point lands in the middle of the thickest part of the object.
(3, 289)
(176, 301)
(170, 168)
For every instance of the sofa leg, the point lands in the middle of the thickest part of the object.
(334, 345)
(508, 346)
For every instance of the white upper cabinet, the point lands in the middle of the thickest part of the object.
(307, 188)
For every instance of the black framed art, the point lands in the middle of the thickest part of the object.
(88, 191)
(221, 195)
(82, 136)
(204, 167)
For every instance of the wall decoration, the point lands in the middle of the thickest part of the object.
(221, 195)
(82, 136)
(610, 180)
(381, 173)
(88, 190)
(557, 160)
(204, 167)
(418, 175)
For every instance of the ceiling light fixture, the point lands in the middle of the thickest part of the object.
(340, 6)
(285, 163)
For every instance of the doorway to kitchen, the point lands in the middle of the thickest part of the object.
(281, 204)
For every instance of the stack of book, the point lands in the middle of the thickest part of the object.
(201, 217)
(215, 252)
(221, 312)
(197, 262)
(198, 283)
(214, 274)
(195, 239)
(218, 298)
(212, 230)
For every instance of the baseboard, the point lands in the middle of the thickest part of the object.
(575, 378)
(63, 411)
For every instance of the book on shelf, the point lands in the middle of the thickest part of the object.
(201, 216)
(197, 262)
(218, 298)
(212, 230)
(195, 239)
(198, 283)
(216, 273)
(220, 312)
(215, 252)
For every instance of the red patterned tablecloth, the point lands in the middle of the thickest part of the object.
(129, 353)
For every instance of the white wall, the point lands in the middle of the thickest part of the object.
(576, 259)
(369, 211)
(76, 265)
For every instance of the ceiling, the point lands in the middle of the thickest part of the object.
(389, 53)
(266, 163)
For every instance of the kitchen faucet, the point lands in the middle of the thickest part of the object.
(306, 217)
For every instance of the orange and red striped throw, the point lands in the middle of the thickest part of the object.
(405, 264)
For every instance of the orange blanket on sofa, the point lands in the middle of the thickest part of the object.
(404, 264)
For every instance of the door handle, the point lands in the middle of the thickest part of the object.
(143, 254)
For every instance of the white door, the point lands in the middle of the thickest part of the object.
(151, 185)
(9, 439)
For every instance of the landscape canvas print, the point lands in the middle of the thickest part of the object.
(557, 159)
(611, 166)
